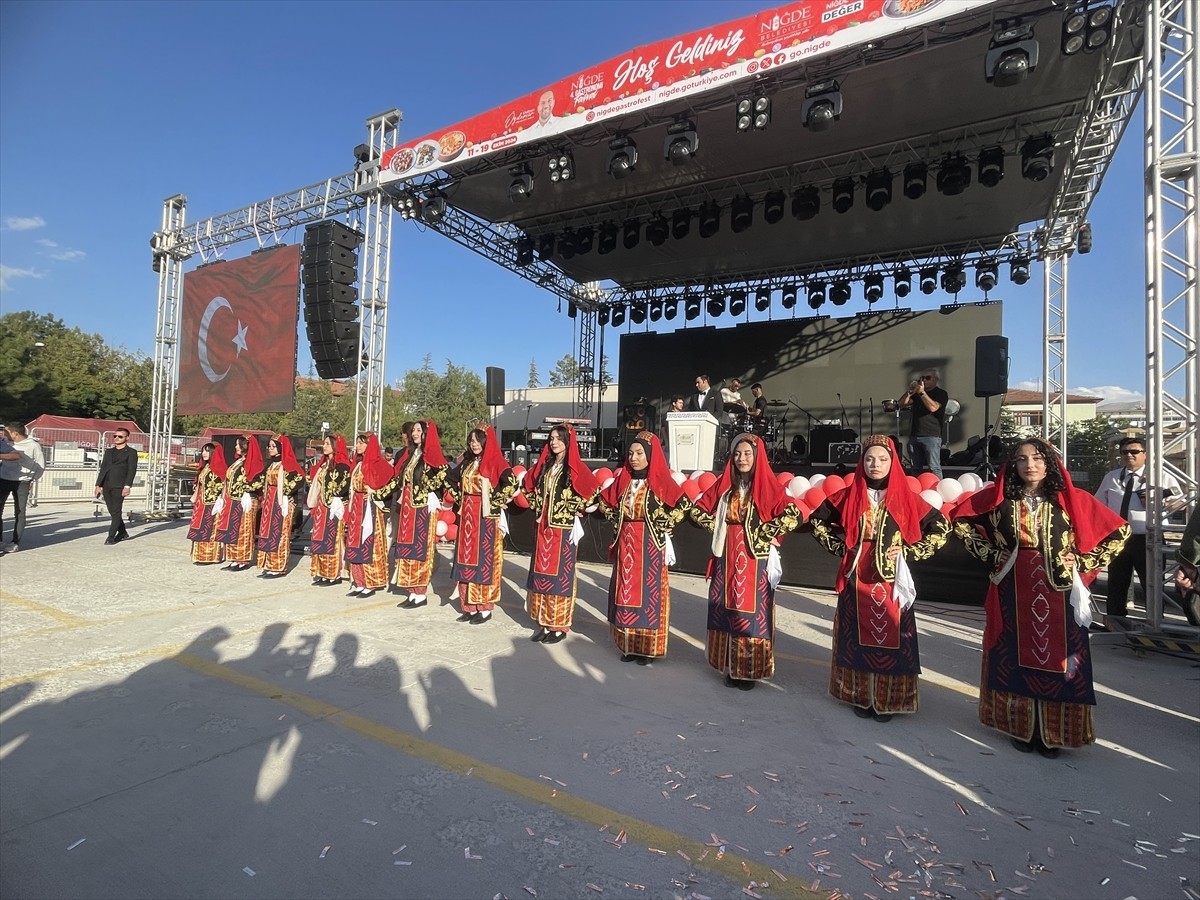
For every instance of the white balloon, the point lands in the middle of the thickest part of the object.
(950, 489)
(607, 482)
(816, 480)
(695, 476)
(797, 486)
(970, 481)
(441, 529)
(678, 477)
(932, 497)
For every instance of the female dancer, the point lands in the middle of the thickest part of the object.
(239, 503)
(210, 482)
(328, 491)
(284, 475)
(366, 534)
(877, 525)
(1038, 532)
(481, 487)
(645, 504)
(421, 471)
(747, 510)
(559, 487)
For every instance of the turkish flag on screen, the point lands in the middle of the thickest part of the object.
(237, 347)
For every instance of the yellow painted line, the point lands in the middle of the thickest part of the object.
(732, 867)
(56, 614)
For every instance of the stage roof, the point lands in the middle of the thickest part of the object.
(913, 89)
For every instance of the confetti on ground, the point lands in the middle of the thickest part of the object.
(595, 887)
(701, 806)
(684, 855)
(961, 808)
(725, 776)
(402, 862)
(249, 871)
(77, 843)
(530, 891)
(681, 737)
(529, 831)
(585, 756)
(325, 852)
(398, 849)
(614, 771)
(1105, 881)
(634, 886)
(666, 795)
(1135, 865)
(752, 790)
(657, 851)
(369, 822)
(566, 865)
(778, 875)
(549, 841)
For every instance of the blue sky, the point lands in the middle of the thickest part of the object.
(107, 108)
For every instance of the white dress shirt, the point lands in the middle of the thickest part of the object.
(1112, 491)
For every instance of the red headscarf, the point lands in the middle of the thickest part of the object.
(252, 467)
(377, 471)
(905, 507)
(286, 455)
(658, 474)
(491, 461)
(341, 456)
(431, 448)
(583, 482)
(216, 462)
(768, 495)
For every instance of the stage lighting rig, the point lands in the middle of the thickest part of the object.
(524, 251)
(407, 204)
(1083, 239)
(806, 203)
(545, 247)
(954, 279)
(656, 310)
(822, 105)
(618, 316)
(737, 303)
(681, 142)
(670, 309)
(787, 298)
(873, 288)
(1037, 158)
(879, 189)
(916, 174)
(928, 280)
(607, 241)
(1011, 56)
(991, 166)
(1018, 270)
(762, 299)
(954, 175)
(602, 315)
(1074, 32)
(622, 157)
(363, 154)
(710, 219)
(752, 113)
(741, 214)
(1099, 28)
(521, 185)
(631, 233)
(681, 223)
(637, 312)
(839, 292)
(716, 305)
(572, 309)
(433, 207)
(986, 276)
(657, 229)
(773, 206)
(561, 166)
(816, 294)
(843, 194)
(902, 281)
(691, 307)
(566, 244)
(584, 239)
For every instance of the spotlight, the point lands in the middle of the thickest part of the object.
(954, 279)
(546, 245)
(1099, 28)
(656, 310)
(583, 239)
(407, 204)
(362, 153)
(622, 157)
(762, 112)
(572, 309)
(873, 288)
(670, 309)
(839, 292)
(1011, 56)
(915, 176)
(991, 166)
(954, 175)
(607, 242)
(710, 219)
(716, 305)
(743, 115)
(773, 206)
(1018, 270)
(737, 303)
(681, 142)
(631, 233)
(986, 276)
(561, 166)
(762, 299)
(1083, 240)
(433, 208)
(657, 229)
(691, 307)
(602, 315)
(522, 184)
(681, 223)
(822, 105)
(741, 214)
(637, 312)
(787, 298)
(816, 294)
(806, 203)
(902, 282)
(843, 194)
(1073, 32)
(928, 280)
(566, 244)
(879, 189)
(1037, 158)
(524, 251)
(618, 316)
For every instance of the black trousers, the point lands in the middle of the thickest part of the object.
(19, 491)
(114, 501)
(1132, 558)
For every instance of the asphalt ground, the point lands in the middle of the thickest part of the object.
(170, 730)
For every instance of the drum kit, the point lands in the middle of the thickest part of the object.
(768, 427)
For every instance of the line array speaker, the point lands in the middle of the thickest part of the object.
(330, 259)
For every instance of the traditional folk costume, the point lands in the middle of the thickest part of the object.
(1036, 680)
(644, 506)
(558, 492)
(328, 491)
(481, 487)
(421, 473)
(876, 661)
(366, 529)
(744, 570)
(239, 507)
(278, 511)
(202, 532)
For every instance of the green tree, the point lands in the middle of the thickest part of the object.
(1089, 449)
(456, 400)
(565, 372)
(534, 379)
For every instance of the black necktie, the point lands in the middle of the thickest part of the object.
(1127, 496)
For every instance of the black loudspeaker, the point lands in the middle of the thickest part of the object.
(640, 416)
(330, 259)
(823, 436)
(495, 386)
(991, 365)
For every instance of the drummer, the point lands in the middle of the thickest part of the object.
(731, 401)
(759, 410)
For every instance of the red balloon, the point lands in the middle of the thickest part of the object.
(451, 533)
(928, 481)
(849, 478)
(447, 516)
(603, 474)
(814, 497)
(691, 489)
(518, 469)
(519, 501)
(784, 478)
(805, 510)
(914, 483)
(707, 480)
(833, 484)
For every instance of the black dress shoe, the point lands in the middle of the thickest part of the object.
(554, 637)
(730, 681)
(110, 540)
(330, 582)
(465, 617)
(369, 592)
(746, 685)
(480, 618)
(353, 592)
(625, 657)
(539, 636)
(881, 717)
(863, 712)
(1023, 746)
(644, 660)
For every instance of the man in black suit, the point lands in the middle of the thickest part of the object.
(705, 399)
(117, 469)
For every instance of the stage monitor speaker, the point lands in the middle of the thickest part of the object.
(991, 365)
(495, 386)
(845, 452)
(639, 416)
(329, 332)
(331, 311)
(825, 435)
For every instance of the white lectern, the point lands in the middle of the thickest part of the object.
(691, 440)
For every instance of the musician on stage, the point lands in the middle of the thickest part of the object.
(731, 396)
(759, 409)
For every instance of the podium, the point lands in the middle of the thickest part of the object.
(691, 440)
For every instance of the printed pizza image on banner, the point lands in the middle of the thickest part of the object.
(237, 345)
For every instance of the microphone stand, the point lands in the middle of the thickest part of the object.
(872, 408)
(528, 407)
(809, 422)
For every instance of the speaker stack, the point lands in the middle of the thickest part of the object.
(330, 259)
(640, 416)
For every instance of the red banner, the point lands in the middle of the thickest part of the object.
(666, 70)
(237, 346)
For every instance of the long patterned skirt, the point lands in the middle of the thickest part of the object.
(275, 537)
(1038, 673)
(639, 594)
(741, 612)
(238, 537)
(366, 557)
(203, 535)
(415, 547)
(876, 660)
(326, 545)
(551, 581)
(478, 557)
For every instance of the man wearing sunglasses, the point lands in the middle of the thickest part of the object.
(928, 404)
(115, 480)
(1123, 490)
